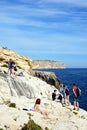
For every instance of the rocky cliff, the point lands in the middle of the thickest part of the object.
(22, 62)
(47, 64)
(48, 77)
(26, 85)
(23, 91)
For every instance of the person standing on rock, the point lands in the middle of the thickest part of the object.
(75, 97)
(10, 66)
(65, 95)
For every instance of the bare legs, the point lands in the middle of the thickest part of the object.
(76, 105)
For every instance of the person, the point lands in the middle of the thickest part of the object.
(10, 66)
(14, 68)
(75, 97)
(66, 95)
(56, 96)
(59, 97)
(36, 107)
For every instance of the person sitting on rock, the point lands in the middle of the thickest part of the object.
(56, 96)
(36, 108)
(14, 68)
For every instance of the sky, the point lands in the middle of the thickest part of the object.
(46, 30)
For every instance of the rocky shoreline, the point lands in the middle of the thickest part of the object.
(23, 91)
(18, 92)
(48, 77)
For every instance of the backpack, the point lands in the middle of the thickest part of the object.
(78, 91)
(67, 91)
(15, 68)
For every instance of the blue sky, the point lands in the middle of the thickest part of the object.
(46, 29)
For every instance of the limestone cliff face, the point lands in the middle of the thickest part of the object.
(21, 61)
(47, 64)
(27, 86)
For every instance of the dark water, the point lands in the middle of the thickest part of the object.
(70, 76)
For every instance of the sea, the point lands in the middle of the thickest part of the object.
(68, 76)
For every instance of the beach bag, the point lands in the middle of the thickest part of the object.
(67, 91)
(78, 91)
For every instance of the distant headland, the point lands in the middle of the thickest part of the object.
(47, 64)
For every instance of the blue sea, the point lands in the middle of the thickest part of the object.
(74, 75)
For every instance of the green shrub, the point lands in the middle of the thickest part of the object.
(15, 119)
(4, 65)
(31, 125)
(75, 112)
(46, 128)
(12, 105)
(1, 129)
